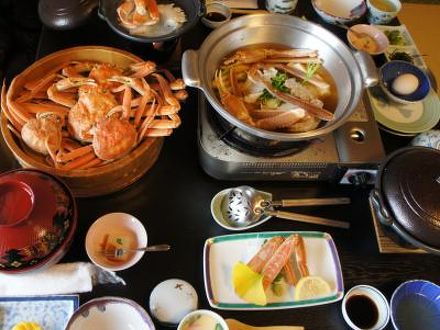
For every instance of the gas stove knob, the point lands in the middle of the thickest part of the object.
(360, 178)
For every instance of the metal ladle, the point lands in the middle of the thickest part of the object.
(244, 207)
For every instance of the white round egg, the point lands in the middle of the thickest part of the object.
(405, 84)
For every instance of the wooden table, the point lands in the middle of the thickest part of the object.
(173, 198)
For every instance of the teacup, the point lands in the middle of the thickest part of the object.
(365, 307)
(382, 11)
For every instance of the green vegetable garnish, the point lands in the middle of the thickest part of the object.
(395, 37)
(278, 82)
(119, 241)
(311, 69)
(269, 100)
(402, 56)
(278, 286)
(218, 326)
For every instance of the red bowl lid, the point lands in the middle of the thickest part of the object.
(37, 216)
(411, 187)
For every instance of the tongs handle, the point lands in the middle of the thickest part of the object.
(311, 201)
(307, 218)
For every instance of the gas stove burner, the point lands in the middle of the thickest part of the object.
(249, 144)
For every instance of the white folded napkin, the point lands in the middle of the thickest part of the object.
(66, 278)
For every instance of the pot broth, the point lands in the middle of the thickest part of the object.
(264, 87)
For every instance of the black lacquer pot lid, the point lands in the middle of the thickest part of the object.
(65, 14)
(410, 185)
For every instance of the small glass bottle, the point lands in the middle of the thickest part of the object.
(281, 6)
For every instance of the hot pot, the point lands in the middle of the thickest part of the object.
(406, 197)
(352, 71)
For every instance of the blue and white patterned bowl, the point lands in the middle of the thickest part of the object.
(378, 16)
(393, 69)
(416, 305)
(339, 11)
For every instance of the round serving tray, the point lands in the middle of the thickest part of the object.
(94, 181)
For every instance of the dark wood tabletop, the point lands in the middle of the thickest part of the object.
(173, 199)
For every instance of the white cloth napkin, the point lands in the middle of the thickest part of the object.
(66, 278)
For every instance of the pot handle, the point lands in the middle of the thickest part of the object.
(381, 211)
(190, 72)
(368, 68)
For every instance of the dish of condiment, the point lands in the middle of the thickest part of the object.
(362, 311)
(215, 16)
(367, 38)
(365, 307)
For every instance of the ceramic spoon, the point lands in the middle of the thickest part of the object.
(243, 207)
(236, 325)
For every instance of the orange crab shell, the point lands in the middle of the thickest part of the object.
(113, 138)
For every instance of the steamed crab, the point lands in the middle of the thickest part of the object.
(83, 114)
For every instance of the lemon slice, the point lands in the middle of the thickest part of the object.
(311, 287)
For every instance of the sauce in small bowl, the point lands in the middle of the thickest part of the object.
(216, 15)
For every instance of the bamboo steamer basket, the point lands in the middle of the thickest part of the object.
(90, 182)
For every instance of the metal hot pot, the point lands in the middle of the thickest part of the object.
(406, 197)
(352, 71)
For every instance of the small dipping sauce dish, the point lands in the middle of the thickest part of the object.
(365, 307)
(216, 15)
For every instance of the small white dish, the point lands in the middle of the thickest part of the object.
(171, 300)
(216, 14)
(118, 225)
(381, 303)
(197, 315)
(110, 313)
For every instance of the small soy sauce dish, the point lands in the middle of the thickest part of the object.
(365, 307)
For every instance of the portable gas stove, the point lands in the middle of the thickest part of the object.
(350, 155)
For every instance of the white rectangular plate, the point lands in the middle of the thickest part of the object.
(222, 252)
(50, 312)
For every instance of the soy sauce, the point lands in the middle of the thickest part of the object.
(362, 311)
(215, 16)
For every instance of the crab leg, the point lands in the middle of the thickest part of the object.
(31, 85)
(16, 122)
(181, 95)
(258, 55)
(157, 132)
(283, 120)
(75, 153)
(300, 253)
(126, 103)
(166, 92)
(289, 273)
(143, 69)
(263, 255)
(277, 261)
(320, 113)
(38, 87)
(93, 163)
(78, 162)
(44, 107)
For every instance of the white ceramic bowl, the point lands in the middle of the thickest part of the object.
(122, 224)
(110, 313)
(339, 11)
(377, 35)
(379, 300)
(189, 317)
